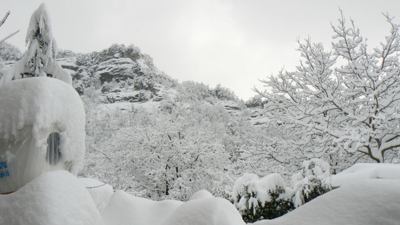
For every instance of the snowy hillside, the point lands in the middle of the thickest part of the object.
(153, 136)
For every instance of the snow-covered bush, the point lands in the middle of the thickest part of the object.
(9, 52)
(312, 181)
(264, 198)
(223, 93)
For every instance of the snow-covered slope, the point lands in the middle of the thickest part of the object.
(363, 171)
(369, 195)
(54, 198)
(60, 198)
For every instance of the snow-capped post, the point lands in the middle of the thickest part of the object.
(39, 59)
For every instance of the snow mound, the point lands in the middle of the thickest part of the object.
(54, 198)
(364, 171)
(205, 211)
(201, 194)
(100, 192)
(125, 209)
(367, 202)
(367, 194)
(30, 110)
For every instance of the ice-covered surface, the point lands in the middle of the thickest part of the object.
(368, 195)
(31, 109)
(54, 198)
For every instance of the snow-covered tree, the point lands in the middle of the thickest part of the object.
(346, 98)
(39, 58)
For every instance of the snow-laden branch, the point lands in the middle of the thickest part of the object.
(349, 95)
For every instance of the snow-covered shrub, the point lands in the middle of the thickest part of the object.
(143, 83)
(311, 182)
(264, 198)
(223, 93)
(256, 101)
(9, 52)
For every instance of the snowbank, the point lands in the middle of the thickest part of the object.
(100, 192)
(124, 209)
(364, 171)
(205, 211)
(30, 110)
(369, 202)
(368, 195)
(54, 198)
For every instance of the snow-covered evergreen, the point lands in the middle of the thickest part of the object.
(39, 59)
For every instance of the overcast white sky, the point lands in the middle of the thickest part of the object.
(231, 42)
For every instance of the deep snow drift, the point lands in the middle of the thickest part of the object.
(368, 195)
(55, 198)
(60, 198)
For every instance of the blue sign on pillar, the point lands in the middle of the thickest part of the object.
(4, 169)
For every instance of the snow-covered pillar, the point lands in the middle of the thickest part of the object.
(42, 128)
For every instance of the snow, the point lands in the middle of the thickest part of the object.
(369, 202)
(364, 171)
(124, 208)
(39, 58)
(205, 211)
(100, 192)
(315, 173)
(202, 209)
(31, 109)
(54, 198)
(368, 195)
(58, 197)
(201, 194)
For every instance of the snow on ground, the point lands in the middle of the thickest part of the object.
(58, 197)
(369, 195)
(126, 209)
(54, 198)
(364, 171)
(205, 211)
(100, 192)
